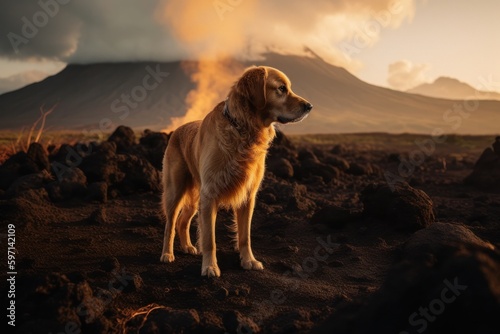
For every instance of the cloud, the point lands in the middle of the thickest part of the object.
(403, 74)
(119, 30)
(20, 80)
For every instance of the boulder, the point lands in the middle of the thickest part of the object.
(152, 147)
(102, 165)
(282, 147)
(280, 167)
(30, 181)
(62, 304)
(235, 322)
(486, 172)
(21, 163)
(438, 237)
(454, 289)
(337, 162)
(39, 156)
(403, 207)
(97, 191)
(359, 169)
(309, 166)
(71, 183)
(139, 175)
(29, 208)
(123, 137)
(290, 196)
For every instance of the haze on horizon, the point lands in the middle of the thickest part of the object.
(394, 43)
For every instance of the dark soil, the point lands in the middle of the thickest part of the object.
(355, 238)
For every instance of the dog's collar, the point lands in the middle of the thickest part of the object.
(231, 120)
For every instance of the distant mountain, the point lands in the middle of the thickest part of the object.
(449, 88)
(97, 93)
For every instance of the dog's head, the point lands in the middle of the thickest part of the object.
(270, 94)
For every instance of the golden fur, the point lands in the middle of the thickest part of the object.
(220, 161)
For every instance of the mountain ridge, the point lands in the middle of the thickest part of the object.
(451, 88)
(87, 93)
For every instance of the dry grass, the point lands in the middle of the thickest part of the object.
(12, 142)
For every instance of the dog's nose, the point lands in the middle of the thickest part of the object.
(307, 106)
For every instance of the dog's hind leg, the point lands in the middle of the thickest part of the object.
(171, 206)
(174, 188)
(183, 224)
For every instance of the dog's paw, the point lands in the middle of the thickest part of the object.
(167, 257)
(210, 271)
(190, 250)
(252, 265)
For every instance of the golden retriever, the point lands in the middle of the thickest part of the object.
(220, 160)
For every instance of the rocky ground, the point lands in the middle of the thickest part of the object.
(354, 238)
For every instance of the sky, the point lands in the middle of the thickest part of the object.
(391, 43)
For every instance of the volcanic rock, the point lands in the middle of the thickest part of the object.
(97, 191)
(72, 182)
(486, 173)
(338, 162)
(138, 173)
(360, 169)
(30, 181)
(123, 137)
(439, 236)
(60, 304)
(39, 156)
(23, 163)
(282, 147)
(152, 147)
(310, 166)
(455, 291)
(280, 167)
(102, 165)
(292, 196)
(235, 322)
(403, 207)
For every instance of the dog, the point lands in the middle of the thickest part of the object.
(220, 162)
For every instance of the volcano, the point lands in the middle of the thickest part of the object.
(149, 94)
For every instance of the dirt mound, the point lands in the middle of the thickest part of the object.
(440, 236)
(30, 208)
(402, 207)
(21, 163)
(486, 173)
(452, 289)
(123, 137)
(60, 304)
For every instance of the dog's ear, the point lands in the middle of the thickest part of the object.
(252, 85)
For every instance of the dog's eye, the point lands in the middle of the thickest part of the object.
(282, 89)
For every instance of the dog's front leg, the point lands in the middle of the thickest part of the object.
(208, 214)
(244, 220)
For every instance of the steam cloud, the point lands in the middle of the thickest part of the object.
(124, 30)
(404, 74)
